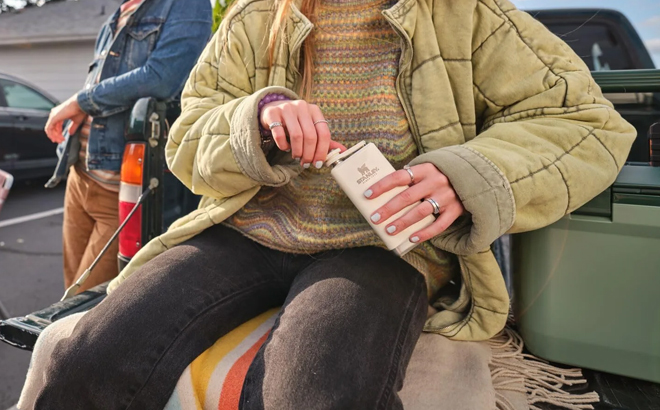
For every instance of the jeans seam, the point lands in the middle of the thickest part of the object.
(403, 334)
(190, 322)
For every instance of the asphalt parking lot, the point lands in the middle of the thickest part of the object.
(30, 268)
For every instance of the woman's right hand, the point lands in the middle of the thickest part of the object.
(309, 143)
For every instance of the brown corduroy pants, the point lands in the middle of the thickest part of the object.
(91, 215)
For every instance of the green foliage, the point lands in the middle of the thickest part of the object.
(219, 10)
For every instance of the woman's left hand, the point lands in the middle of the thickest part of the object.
(428, 182)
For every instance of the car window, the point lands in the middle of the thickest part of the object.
(597, 44)
(3, 103)
(20, 96)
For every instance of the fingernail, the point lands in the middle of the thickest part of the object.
(414, 239)
(306, 165)
(391, 229)
(375, 217)
(287, 150)
(318, 164)
(368, 193)
(296, 159)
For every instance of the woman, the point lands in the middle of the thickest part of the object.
(501, 124)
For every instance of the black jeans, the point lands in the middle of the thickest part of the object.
(343, 339)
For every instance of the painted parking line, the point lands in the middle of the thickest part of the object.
(31, 217)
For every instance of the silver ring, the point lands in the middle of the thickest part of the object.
(320, 121)
(275, 124)
(436, 207)
(412, 176)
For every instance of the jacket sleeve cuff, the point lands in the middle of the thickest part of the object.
(485, 193)
(245, 138)
(85, 102)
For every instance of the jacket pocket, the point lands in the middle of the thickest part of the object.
(142, 29)
(141, 40)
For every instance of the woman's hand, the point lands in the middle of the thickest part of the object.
(68, 110)
(428, 182)
(308, 132)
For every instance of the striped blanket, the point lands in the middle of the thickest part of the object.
(490, 375)
(214, 380)
(442, 374)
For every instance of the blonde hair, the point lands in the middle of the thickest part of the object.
(282, 9)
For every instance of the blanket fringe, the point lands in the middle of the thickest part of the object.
(514, 371)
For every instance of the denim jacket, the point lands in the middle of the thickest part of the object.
(150, 57)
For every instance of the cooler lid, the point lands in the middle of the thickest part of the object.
(636, 179)
(635, 185)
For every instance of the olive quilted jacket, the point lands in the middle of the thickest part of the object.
(506, 110)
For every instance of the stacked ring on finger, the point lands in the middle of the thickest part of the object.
(320, 121)
(412, 176)
(434, 204)
(275, 124)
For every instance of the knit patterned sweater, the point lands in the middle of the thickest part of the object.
(356, 64)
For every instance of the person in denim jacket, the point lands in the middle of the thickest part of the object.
(145, 49)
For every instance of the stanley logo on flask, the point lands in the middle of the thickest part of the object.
(367, 173)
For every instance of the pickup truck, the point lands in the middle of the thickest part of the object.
(606, 41)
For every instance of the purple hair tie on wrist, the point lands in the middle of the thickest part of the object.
(269, 98)
(266, 134)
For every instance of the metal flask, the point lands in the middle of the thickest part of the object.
(358, 168)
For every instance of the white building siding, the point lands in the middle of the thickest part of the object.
(58, 68)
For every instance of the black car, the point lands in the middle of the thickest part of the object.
(25, 151)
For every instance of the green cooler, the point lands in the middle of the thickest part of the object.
(587, 288)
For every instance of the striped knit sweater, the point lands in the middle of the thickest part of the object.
(356, 65)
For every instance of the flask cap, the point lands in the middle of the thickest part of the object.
(335, 156)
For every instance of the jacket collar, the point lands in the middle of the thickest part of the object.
(298, 27)
(403, 13)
